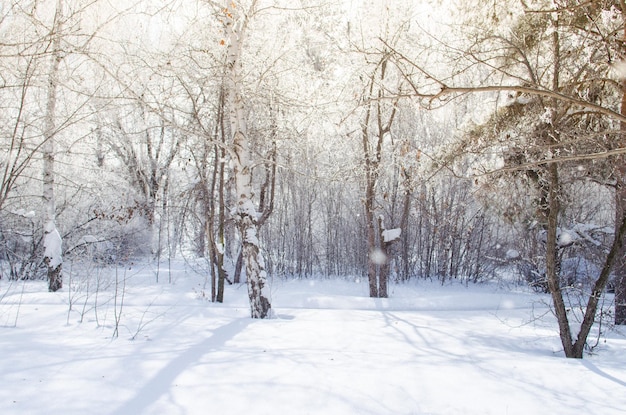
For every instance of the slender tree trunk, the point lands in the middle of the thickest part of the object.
(620, 268)
(221, 240)
(620, 211)
(371, 171)
(246, 214)
(620, 203)
(592, 304)
(214, 210)
(383, 277)
(552, 272)
(372, 156)
(371, 175)
(52, 239)
(238, 268)
(210, 202)
(404, 224)
(216, 237)
(373, 250)
(551, 203)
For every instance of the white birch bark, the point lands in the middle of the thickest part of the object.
(246, 214)
(52, 239)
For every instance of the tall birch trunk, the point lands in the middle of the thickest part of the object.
(52, 239)
(246, 214)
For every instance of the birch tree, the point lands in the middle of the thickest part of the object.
(52, 239)
(235, 21)
(66, 45)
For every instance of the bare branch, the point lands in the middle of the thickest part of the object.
(446, 90)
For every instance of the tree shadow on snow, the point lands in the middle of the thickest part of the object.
(160, 384)
(595, 369)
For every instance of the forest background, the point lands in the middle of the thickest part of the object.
(390, 140)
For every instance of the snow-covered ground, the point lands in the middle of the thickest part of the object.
(330, 350)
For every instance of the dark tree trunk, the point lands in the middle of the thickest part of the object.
(372, 274)
(620, 294)
(55, 279)
(620, 201)
(552, 212)
(371, 173)
(383, 276)
(372, 156)
(221, 241)
(238, 268)
(598, 289)
(620, 266)
(404, 225)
